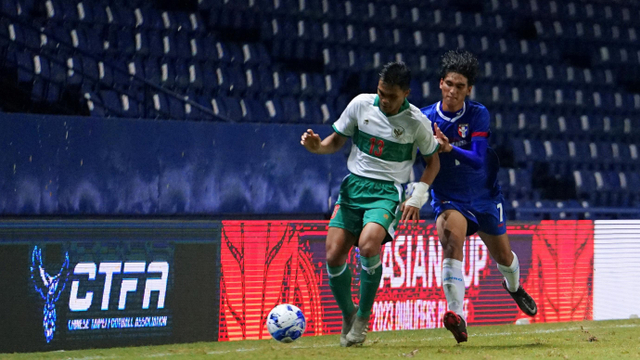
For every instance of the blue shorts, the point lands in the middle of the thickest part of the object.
(485, 213)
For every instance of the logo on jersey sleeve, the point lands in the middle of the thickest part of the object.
(463, 130)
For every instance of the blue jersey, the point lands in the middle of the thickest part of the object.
(457, 181)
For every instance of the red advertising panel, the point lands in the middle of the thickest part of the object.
(562, 254)
(265, 263)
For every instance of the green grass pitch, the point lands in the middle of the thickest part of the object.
(619, 339)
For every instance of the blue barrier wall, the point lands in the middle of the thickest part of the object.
(54, 165)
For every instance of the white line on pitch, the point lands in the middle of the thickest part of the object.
(504, 333)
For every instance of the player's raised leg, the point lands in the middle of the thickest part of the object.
(369, 243)
(509, 266)
(339, 243)
(452, 229)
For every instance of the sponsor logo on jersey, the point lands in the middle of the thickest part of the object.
(459, 143)
(463, 130)
(366, 121)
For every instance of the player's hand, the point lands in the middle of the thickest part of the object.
(442, 140)
(410, 214)
(310, 140)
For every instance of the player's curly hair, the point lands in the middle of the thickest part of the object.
(461, 62)
(396, 73)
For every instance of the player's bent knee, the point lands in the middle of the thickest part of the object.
(369, 251)
(369, 246)
(335, 256)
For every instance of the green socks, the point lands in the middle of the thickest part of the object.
(340, 284)
(369, 282)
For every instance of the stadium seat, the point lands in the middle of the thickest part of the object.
(210, 77)
(516, 183)
(259, 81)
(150, 18)
(176, 108)
(274, 110)
(158, 106)
(291, 110)
(557, 154)
(111, 102)
(632, 179)
(191, 22)
(94, 104)
(254, 111)
(130, 106)
(526, 151)
(586, 186)
(73, 71)
(581, 153)
(232, 107)
(183, 76)
(328, 112)
(634, 156)
(192, 112)
(125, 43)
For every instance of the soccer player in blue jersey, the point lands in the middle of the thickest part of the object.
(465, 195)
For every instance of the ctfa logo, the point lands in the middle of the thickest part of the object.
(131, 271)
(49, 287)
(463, 130)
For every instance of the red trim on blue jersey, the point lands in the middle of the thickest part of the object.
(480, 133)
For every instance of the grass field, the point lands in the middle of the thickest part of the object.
(576, 340)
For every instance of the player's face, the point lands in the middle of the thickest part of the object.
(391, 97)
(455, 89)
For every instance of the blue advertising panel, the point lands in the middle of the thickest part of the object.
(55, 165)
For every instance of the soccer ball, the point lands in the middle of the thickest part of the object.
(286, 323)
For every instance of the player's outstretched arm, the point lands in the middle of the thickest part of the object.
(332, 143)
(474, 157)
(411, 208)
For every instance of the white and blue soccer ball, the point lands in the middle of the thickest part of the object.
(286, 323)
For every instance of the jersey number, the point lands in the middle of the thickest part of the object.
(499, 206)
(376, 147)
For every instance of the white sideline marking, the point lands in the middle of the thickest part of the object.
(379, 341)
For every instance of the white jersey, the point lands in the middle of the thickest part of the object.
(384, 147)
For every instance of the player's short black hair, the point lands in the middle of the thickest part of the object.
(461, 62)
(396, 73)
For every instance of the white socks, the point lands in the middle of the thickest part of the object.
(511, 273)
(453, 285)
(453, 281)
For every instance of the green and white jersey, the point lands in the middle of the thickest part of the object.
(384, 147)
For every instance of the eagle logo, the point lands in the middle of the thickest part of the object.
(397, 132)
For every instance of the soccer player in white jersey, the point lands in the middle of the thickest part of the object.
(386, 131)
